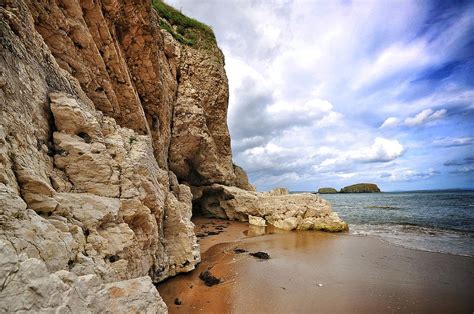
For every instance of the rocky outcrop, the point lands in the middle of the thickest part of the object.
(106, 199)
(327, 191)
(28, 286)
(108, 121)
(361, 188)
(200, 144)
(86, 96)
(304, 211)
(241, 179)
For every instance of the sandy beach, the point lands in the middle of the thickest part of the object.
(317, 272)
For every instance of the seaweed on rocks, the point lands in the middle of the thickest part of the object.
(208, 278)
(239, 251)
(260, 255)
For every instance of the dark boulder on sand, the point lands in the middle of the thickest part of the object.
(209, 279)
(260, 255)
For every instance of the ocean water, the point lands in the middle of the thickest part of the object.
(437, 221)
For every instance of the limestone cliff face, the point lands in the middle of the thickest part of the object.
(104, 116)
(200, 143)
(108, 121)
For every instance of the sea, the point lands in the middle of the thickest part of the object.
(436, 221)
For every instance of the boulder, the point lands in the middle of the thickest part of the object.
(257, 221)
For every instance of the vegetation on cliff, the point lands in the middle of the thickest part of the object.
(184, 29)
(327, 191)
(361, 188)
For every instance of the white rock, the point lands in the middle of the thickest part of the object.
(257, 221)
(28, 287)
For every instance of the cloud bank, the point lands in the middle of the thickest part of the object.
(336, 92)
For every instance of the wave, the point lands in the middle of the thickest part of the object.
(421, 226)
(383, 207)
(410, 228)
(420, 237)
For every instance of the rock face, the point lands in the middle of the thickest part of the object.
(28, 280)
(304, 211)
(327, 191)
(88, 94)
(200, 142)
(108, 121)
(241, 179)
(361, 188)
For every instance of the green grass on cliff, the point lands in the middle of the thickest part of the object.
(184, 29)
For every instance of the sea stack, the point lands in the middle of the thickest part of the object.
(361, 188)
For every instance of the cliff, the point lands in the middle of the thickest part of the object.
(361, 188)
(113, 124)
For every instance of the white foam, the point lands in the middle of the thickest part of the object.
(420, 238)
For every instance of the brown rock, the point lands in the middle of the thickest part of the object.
(200, 145)
(79, 191)
(241, 179)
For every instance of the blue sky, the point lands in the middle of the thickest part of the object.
(331, 93)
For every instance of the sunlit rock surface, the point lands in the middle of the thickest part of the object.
(304, 211)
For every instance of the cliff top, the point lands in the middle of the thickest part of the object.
(184, 29)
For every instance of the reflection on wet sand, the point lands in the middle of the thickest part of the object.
(315, 271)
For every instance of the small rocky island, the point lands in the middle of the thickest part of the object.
(355, 188)
(361, 188)
(327, 191)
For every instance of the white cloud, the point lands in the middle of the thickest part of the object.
(392, 60)
(425, 116)
(315, 112)
(382, 150)
(390, 122)
(312, 108)
(401, 175)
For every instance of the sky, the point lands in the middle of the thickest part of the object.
(332, 93)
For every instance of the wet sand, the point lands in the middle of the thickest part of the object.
(318, 272)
